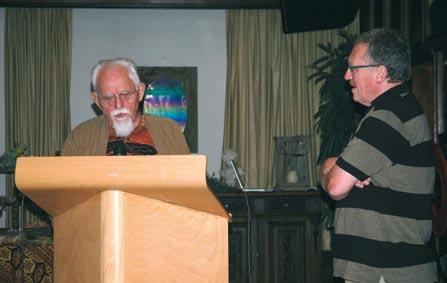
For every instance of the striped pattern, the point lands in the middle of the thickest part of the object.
(382, 230)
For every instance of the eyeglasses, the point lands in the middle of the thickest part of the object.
(122, 96)
(355, 67)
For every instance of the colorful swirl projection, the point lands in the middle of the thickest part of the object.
(165, 97)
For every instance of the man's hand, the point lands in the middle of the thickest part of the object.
(362, 184)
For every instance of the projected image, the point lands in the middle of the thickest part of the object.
(165, 97)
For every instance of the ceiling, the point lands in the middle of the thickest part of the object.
(175, 4)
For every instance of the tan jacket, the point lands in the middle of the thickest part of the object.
(91, 137)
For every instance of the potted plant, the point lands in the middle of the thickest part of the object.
(8, 159)
(338, 115)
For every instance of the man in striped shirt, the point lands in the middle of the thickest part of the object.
(384, 178)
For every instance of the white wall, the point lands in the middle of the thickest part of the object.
(2, 103)
(190, 37)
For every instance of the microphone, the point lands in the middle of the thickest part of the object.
(117, 147)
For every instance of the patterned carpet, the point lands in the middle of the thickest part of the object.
(37, 260)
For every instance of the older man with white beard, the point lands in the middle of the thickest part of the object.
(122, 129)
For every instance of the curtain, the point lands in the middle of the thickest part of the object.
(37, 83)
(268, 93)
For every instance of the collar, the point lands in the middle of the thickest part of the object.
(402, 88)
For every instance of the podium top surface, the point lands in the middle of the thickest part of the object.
(57, 184)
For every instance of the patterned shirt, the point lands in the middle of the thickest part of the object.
(139, 142)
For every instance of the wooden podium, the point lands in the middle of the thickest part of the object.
(130, 218)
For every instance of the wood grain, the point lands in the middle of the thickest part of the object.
(77, 243)
(113, 236)
(131, 218)
(57, 184)
(170, 243)
(117, 237)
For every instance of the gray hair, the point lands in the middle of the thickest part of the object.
(387, 47)
(125, 62)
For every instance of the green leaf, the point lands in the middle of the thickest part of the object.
(337, 116)
(327, 48)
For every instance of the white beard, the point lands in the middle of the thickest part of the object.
(122, 126)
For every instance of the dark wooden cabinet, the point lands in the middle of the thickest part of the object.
(277, 239)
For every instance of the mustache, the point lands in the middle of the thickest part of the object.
(120, 111)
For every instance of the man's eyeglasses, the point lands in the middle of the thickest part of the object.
(355, 67)
(122, 96)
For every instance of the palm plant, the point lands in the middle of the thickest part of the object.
(8, 159)
(338, 115)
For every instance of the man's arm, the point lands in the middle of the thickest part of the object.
(336, 181)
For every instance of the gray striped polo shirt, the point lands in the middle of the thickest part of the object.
(382, 229)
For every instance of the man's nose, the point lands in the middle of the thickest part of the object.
(348, 74)
(118, 103)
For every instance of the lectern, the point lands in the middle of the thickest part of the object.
(130, 218)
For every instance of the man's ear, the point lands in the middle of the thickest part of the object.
(141, 89)
(382, 74)
(95, 98)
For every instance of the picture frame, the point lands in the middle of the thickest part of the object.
(183, 79)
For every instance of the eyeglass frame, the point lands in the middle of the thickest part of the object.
(351, 68)
(123, 96)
